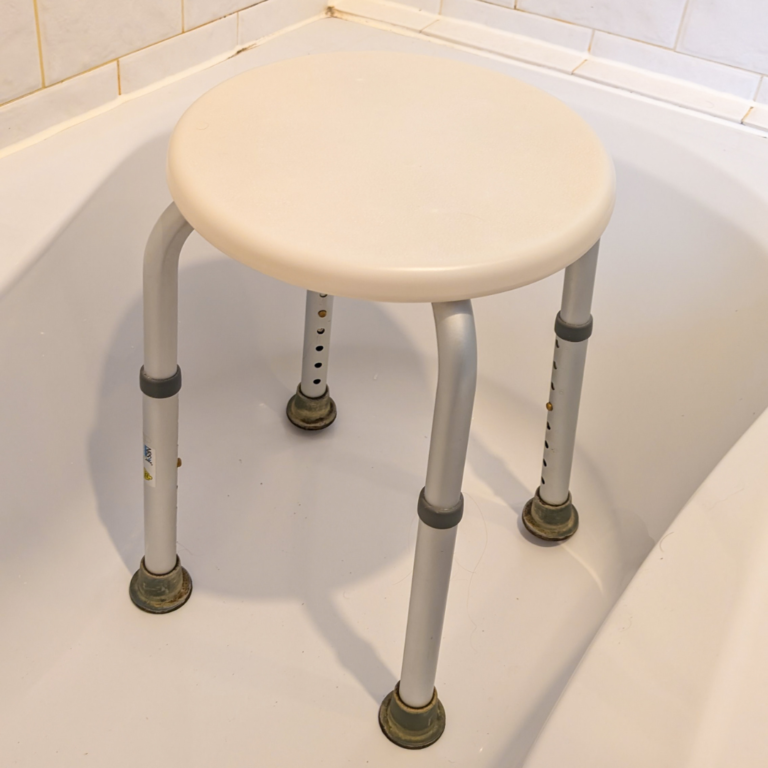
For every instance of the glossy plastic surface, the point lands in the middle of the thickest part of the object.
(391, 176)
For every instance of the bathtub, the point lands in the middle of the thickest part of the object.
(300, 546)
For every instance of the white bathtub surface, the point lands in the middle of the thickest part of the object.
(300, 546)
(678, 675)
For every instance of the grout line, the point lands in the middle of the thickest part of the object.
(757, 88)
(591, 40)
(182, 16)
(119, 81)
(580, 64)
(19, 98)
(680, 25)
(39, 42)
(746, 115)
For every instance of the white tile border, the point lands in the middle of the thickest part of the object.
(665, 88)
(757, 117)
(54, 107)
(397, 14)
(506, 44)
(681, 66)
(762, 92)
(505, 19)
(698, 88)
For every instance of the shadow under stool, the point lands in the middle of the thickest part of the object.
(387, 177)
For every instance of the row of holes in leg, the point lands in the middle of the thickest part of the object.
(552, 386)
(320, 331)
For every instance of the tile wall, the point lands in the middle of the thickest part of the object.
(62, 58)
(709, 55)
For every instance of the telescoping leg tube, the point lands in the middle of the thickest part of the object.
(311, 407)
(161, 584)
(550, 514)
(412, 716)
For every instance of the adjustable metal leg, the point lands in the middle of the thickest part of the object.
(550, 514)
(312, 407)
(412, 716)
(161, 584)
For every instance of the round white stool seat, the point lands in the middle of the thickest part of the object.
(390, 176)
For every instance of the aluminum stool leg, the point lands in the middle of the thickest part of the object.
(550, 514)
(161, 585)
(412, 716)
(311, 407)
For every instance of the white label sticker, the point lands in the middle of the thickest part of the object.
(149, 464)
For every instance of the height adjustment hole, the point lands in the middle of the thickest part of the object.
(316, 381)
(318, 365)
(321, 330)
(318, 349)
(322, 313)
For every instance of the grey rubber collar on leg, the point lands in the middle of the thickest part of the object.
(548, 522)
(570, 332)
(160, 594)
(439, 517)
(311, 413)
(160, 388)
(410, 727)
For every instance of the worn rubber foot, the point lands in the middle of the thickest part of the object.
(311, 413)
(551, 523)
(409, 727)
(160, 594)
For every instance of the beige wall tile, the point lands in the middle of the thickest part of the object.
(19, 57)
(197, 12)
(271, 16)
(666, 62)
(519, 23)
(50, 106)
(80, 34)
(654, 21)
(147, 66)
(732, 31)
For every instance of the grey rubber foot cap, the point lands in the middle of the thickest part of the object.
(551, 523)
(311, 413)
(408, 727)
(160, 594)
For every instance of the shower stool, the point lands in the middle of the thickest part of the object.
(388, 177)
